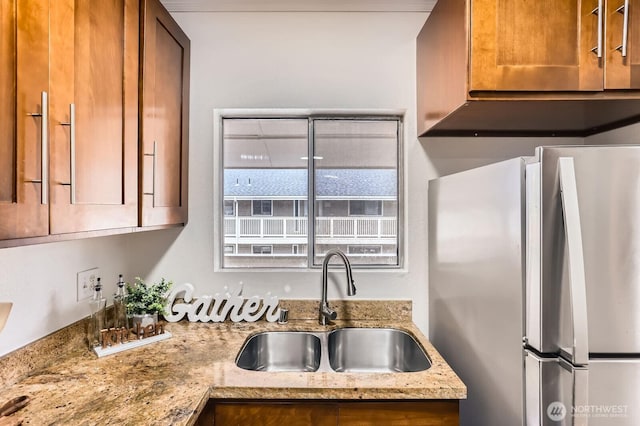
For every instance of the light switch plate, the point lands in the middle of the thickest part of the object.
(86, 283)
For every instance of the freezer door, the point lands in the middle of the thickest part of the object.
(614, 392)
(552, 388)
(603, 394)
(608, 195)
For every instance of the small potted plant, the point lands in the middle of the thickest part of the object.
(146, 301)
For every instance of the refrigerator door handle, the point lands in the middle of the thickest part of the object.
(577, 283)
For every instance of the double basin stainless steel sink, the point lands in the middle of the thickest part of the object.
(349, 350)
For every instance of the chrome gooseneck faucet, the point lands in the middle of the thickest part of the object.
(326, 313)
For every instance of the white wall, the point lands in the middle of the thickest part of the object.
(625, 135)
(40, 280)
(298, 60)
(315, 60)
(261, 60)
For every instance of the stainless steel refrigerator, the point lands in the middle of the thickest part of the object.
(534, 286)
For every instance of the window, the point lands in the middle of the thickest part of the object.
(261, 249)
(229, 249)
(310, 184)
(365, 208)
(229, 208)
(299, 208)
(261, 207)
(364, 250)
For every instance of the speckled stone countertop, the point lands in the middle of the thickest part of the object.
(169, 382)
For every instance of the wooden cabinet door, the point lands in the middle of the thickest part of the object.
(164, 118)
(24, 55)
(622, 56)
(543, 45)
(399, 413)
(93, 114)
(275, 414)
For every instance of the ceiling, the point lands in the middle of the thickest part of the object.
(299, 5)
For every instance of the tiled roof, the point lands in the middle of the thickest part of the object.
(265, 183)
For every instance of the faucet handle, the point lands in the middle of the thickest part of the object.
(328, 313)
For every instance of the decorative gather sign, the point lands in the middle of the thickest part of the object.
(216, 308)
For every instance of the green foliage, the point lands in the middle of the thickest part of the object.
(143, 298)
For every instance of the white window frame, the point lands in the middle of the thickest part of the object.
(219, 115)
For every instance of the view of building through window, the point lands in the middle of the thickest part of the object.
(353, 201)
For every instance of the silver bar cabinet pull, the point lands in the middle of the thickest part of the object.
(598, 11)
(153, 173)
(44, 156)
(44, 147)
(72, 152)
(624, 9)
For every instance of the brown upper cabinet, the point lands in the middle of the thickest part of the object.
(24, 53)
(93, 114)
(164, 119)
(71, 88)
(621, 43)
(531, 67)
(68, 116)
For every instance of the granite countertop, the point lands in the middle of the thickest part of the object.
(169, 382)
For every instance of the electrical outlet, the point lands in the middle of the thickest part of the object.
(86, 283)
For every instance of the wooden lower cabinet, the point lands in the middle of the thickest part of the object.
(401, 413)
(342, 413)
(276, 414)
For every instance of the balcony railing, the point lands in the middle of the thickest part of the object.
(326, 227)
